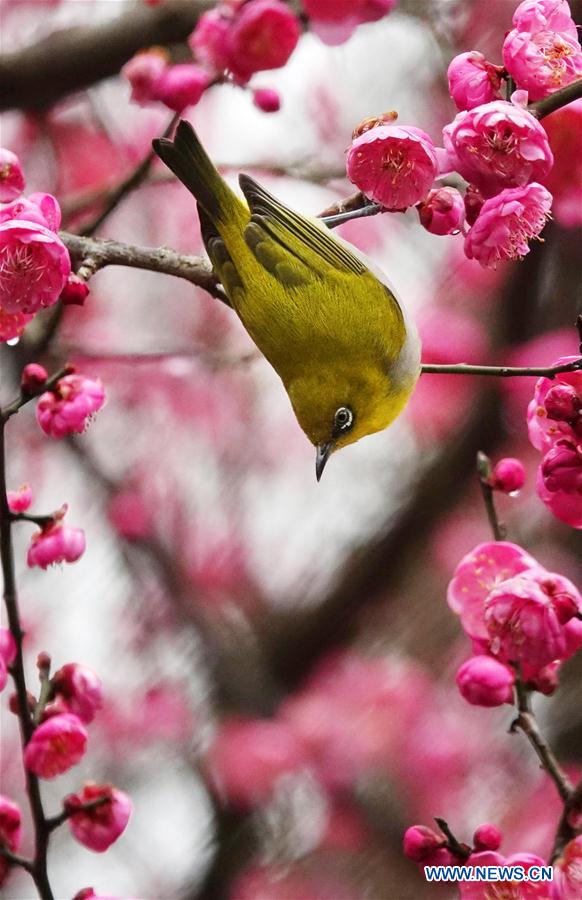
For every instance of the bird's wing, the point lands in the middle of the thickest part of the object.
(286, 241)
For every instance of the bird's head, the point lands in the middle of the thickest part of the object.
(336, 405)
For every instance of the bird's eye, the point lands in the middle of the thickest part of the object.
(343, 419)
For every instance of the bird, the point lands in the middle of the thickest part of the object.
(321, 313)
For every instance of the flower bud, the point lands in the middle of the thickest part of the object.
(56, 746)
(487, 837)
(10, 832)
(563, 403)
(75, 291)
(33, 379)
(473, 80)
(421, 842)
(267, 100)
(263, 35)
(143, 71)
(484, 681)
(68, 408)
(508, 475)
(182, 86)
(98, 827)
(12, 181)
(43, 663)
(55, 544)
(443, 211)
(80, 689)
(561, 468)
(20, 500)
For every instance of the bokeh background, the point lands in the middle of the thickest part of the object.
(278, 656)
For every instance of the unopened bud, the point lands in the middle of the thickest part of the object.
(508, 475)
(421, 842)
(267, 100)
(33, 379)
(487, 837)
(75, 291)
(562, 403)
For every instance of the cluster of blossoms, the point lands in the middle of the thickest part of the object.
(554, 421)
(35, 267)
(523, 622)
(98, 813)
(497, 146)
(235, 40)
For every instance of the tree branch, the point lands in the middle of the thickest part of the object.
(93, 254)
(556, 100)
(502, 371)
(567, 831)
(75, 58)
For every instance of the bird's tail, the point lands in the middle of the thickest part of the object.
(187, 159)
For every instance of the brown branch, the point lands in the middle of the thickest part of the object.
(556, 100)
(484, 473)
(566, 831)
(75, 58)
(92, 254)
(502, 371)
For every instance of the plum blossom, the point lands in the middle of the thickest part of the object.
(33, 379)
(568, 872)
(56, 543)
(55, 746)
(70, 405)
(209, 39)
(143, 71)
(487, 837)
(555, 411)
(19, 500)
(484, 681)
(267, 100)
(506, 224)
(75, 292)
(80, 689)
(561, 468)
(565, 506)
(12, 324)
(41, 208)
(443, 211)
(533, 16)
(181, 86)
(543, 62)
(263, 36)
(509, 890)
(498, 145)
(333, 21)
(508, 475)
(393, 165)
(10, 832)
(99, 827)
(564, 129)
(34, 266)
(473, 80)
(420, 843)
(12, 181)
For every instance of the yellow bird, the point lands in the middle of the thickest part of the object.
(319, 311)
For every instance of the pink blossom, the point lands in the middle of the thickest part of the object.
(56, 746)
(335, 20)
(19, 500)
(33, 379)
(420, 842)
(508, 475)
(11, 176)
(443, 211)
(267, 100)
(43, 209)
(12, 324)
(543, 62)
(565, 506)
(248, 756)
(393, 165)
(70, 405)
(545, 427)
(484, 681)
(10, 832)
(209, 39)
(99, 827)
(143, 71)
(75, 292)
(506, 224)
(487, 837)
(263, 35)
(498, 145)
(80, 689)
(478, 573)
(567, 883)
(544, 15)
(561, 468)
(182, 85)
(34, 266)
(473, 80)
(55, 544)
(509, 890)
(564, 129)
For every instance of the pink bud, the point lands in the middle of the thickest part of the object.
(33, 379)
(209, 39)
(563, 403)
(10, 832)
(20, 500)
(421, 842)
(69, 407)
(443, 211)
(99, 827)
(182, 85)
(498, 145)
(546, 680)
(143, 71)
(12, 181)
(81, 690)
(483, 681)
(267, 100)
(507, 223)
(56, 544)
(487, 837)
(508, 475)
(56, 746)
(393, 165)
(473, 80)
(561, 468)
(75, 291)
(263, 36)
(7, 655)
(35, 266)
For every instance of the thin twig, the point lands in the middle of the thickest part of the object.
(66, 814)
(502, 371)
(484, 473)
(526, 722)
(463, 851)
(128, 185)
(16, 860)
(557, 100)
(23, 399)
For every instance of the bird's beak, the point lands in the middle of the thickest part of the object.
(321, 457)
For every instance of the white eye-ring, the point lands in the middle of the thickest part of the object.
(343, 419)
